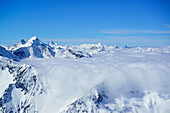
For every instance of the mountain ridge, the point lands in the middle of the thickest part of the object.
(34, 47)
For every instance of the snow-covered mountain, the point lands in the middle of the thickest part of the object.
(52, 44)
(91, 78)
(19, 85)
(35, 48)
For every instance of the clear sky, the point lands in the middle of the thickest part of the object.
(121, 22)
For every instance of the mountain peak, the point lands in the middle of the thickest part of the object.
(99, 44)
(34, 40)
(23, 41)
(52, 43)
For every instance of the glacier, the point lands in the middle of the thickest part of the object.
(87, 78)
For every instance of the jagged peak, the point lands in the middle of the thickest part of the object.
(115, 46)
(52, 43)
(124, 46)
(34, 40)
(99, 44)
(22, 41)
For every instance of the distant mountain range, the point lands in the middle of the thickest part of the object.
(35, 48)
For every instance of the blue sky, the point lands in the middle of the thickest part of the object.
(120, 22)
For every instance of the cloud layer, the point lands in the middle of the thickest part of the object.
(131, 31)
(167, 25)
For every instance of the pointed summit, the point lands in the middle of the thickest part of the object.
(99, 44)
(22, 41)
(115, 46)
(34, 40)
(52, 43)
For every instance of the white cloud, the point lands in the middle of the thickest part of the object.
(131, 31)
(167, 25)
(80, 40)
(119, 40)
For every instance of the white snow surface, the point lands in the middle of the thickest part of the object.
(66, 80)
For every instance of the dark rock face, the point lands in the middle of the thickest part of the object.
(22, 53)
(6, 96)
(8, 54)
(78, 55)
(94, 47)
(23, 41)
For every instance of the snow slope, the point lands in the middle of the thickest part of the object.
(112, 80)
